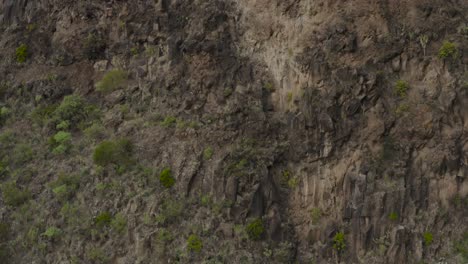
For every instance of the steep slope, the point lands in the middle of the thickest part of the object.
(205, 131)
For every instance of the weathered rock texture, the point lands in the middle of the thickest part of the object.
(296, 101)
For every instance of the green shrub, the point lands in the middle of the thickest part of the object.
(119, 223)
(255, 229)
(21, 53)
(393, 216)
(166, 179)
(65, 186)
(339, 241)
(208, 153)
(61, 191)
(52, 233)
(42, 114)
(448, 49)
(95, 132)
(103, 219)
(64, 125)
(112, 81)
(428, 238)
(118, 152)
(73, 109)
(401, 88)
(60, 142)
(13, 196)
(194, 244)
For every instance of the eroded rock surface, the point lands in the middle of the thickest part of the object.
(320, 118)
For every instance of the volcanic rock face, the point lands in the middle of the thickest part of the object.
(295, 131)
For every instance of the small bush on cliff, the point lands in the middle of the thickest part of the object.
(166, 179)
(208, 153)
(339, 241)
(112, 81)
(72, 110)
(103, 219)
(119, 223)
(52, 233)
(401, 88)
(194, 244)
(60, 142)
(428, 238)
(117, 152)
(393, 216)
(21, 53)
(255, 229)
(448, 49)
(13, 196)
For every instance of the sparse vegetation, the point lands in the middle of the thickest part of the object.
(169, 121)
(428, 238)
(448, 49)
(21, 53)
(94, 46)
(170, 211)
(208, 153)
(52, 233)
(423, 40)
(60, 142)
(166, 179)
(4, 113)
(461, 247)
(119, 223)
(13, 196)
(269, 87)
(73, 110)
(401, 109)
(255, 229)
(289, 97)
(112, 81)
(316, 215)
(393, 216)
(339, 243)
(117, 152)
(401, 88)
(103, 219)
(194, 243)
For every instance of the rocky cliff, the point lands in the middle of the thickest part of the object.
(235, 131)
